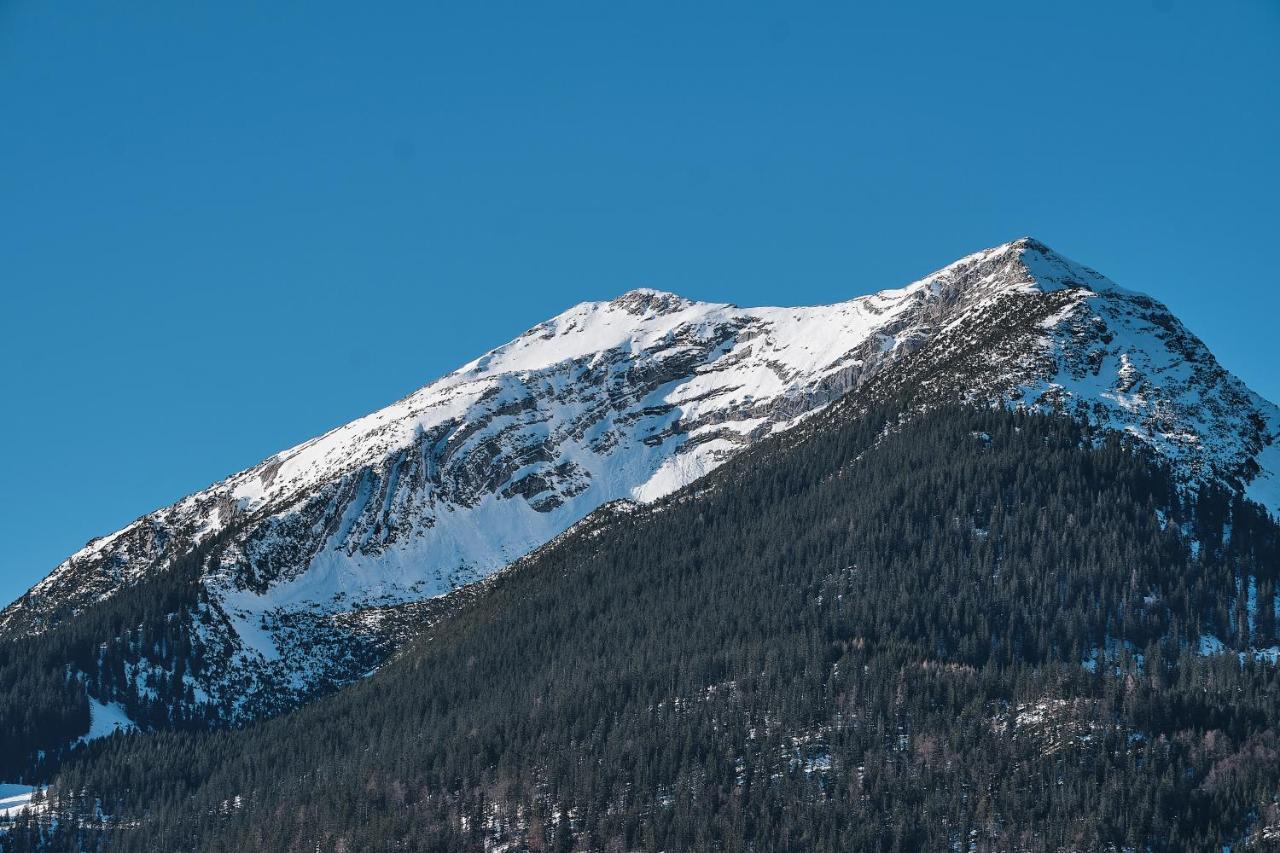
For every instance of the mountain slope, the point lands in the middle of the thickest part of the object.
(304, 565)
(970, 629)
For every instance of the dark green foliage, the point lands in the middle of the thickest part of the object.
(868, 639)
(46, 680)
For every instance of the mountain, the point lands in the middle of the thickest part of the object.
(990, 562)
(309, 569)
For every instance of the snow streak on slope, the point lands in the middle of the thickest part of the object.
(630, 400)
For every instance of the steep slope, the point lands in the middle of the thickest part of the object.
(305, 563)
(1054, 336)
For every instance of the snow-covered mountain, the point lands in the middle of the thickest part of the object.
(329, 542)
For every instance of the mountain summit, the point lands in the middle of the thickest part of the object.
(311, 553)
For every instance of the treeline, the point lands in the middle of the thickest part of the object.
(133, 649)
(978, 630)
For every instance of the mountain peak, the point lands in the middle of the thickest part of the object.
(1029, 242)
(1054, 271)
(646, 300)
(1026, 243)
(1025, 264)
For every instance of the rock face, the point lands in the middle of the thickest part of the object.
(310, 558)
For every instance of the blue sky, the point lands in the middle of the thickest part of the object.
(226, 227)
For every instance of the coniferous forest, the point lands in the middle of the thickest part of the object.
(968, 630)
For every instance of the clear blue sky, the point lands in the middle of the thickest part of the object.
(226, 227)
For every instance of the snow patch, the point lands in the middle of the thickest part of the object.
(105, 719)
